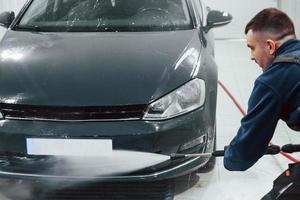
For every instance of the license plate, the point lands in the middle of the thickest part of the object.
(68, 147)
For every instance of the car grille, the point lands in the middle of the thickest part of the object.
(64, 113)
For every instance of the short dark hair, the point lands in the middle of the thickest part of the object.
(272, 20)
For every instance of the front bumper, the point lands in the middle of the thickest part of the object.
(170, 172)
(163, 137)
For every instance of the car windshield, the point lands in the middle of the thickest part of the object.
(106, 15)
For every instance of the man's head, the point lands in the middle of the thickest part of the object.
(266, 32)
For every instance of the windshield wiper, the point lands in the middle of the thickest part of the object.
(28, 27)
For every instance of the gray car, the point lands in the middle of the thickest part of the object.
(111, 74)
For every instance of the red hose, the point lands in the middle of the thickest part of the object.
(288, 156)
(232, 98)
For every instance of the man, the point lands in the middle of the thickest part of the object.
(276, 94)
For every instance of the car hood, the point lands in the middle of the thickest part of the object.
(92, 69)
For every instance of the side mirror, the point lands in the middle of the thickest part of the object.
(216, 18)
(6, 18)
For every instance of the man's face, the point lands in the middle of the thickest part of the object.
(261, 52)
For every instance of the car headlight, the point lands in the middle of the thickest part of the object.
(186, 98)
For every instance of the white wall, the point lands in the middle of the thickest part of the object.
(292, 8)
(10, 5)
(242, 12)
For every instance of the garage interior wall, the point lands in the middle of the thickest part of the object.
(242, 12)
(291, 7)
(10, 5)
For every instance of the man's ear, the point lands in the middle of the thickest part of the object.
(271, 44)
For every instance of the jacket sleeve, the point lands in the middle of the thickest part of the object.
(257, 129)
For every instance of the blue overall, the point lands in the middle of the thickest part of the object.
(276, 95)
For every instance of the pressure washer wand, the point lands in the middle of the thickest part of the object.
(272, 150)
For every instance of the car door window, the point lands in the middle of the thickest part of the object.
(199, 11)
(39, 8)
(205, 10)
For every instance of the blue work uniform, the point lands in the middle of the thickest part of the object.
(276, 95)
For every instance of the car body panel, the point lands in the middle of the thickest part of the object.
(122, 68)
(164, 137)
(83, 69)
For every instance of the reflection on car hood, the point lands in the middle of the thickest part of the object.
(87, 69)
